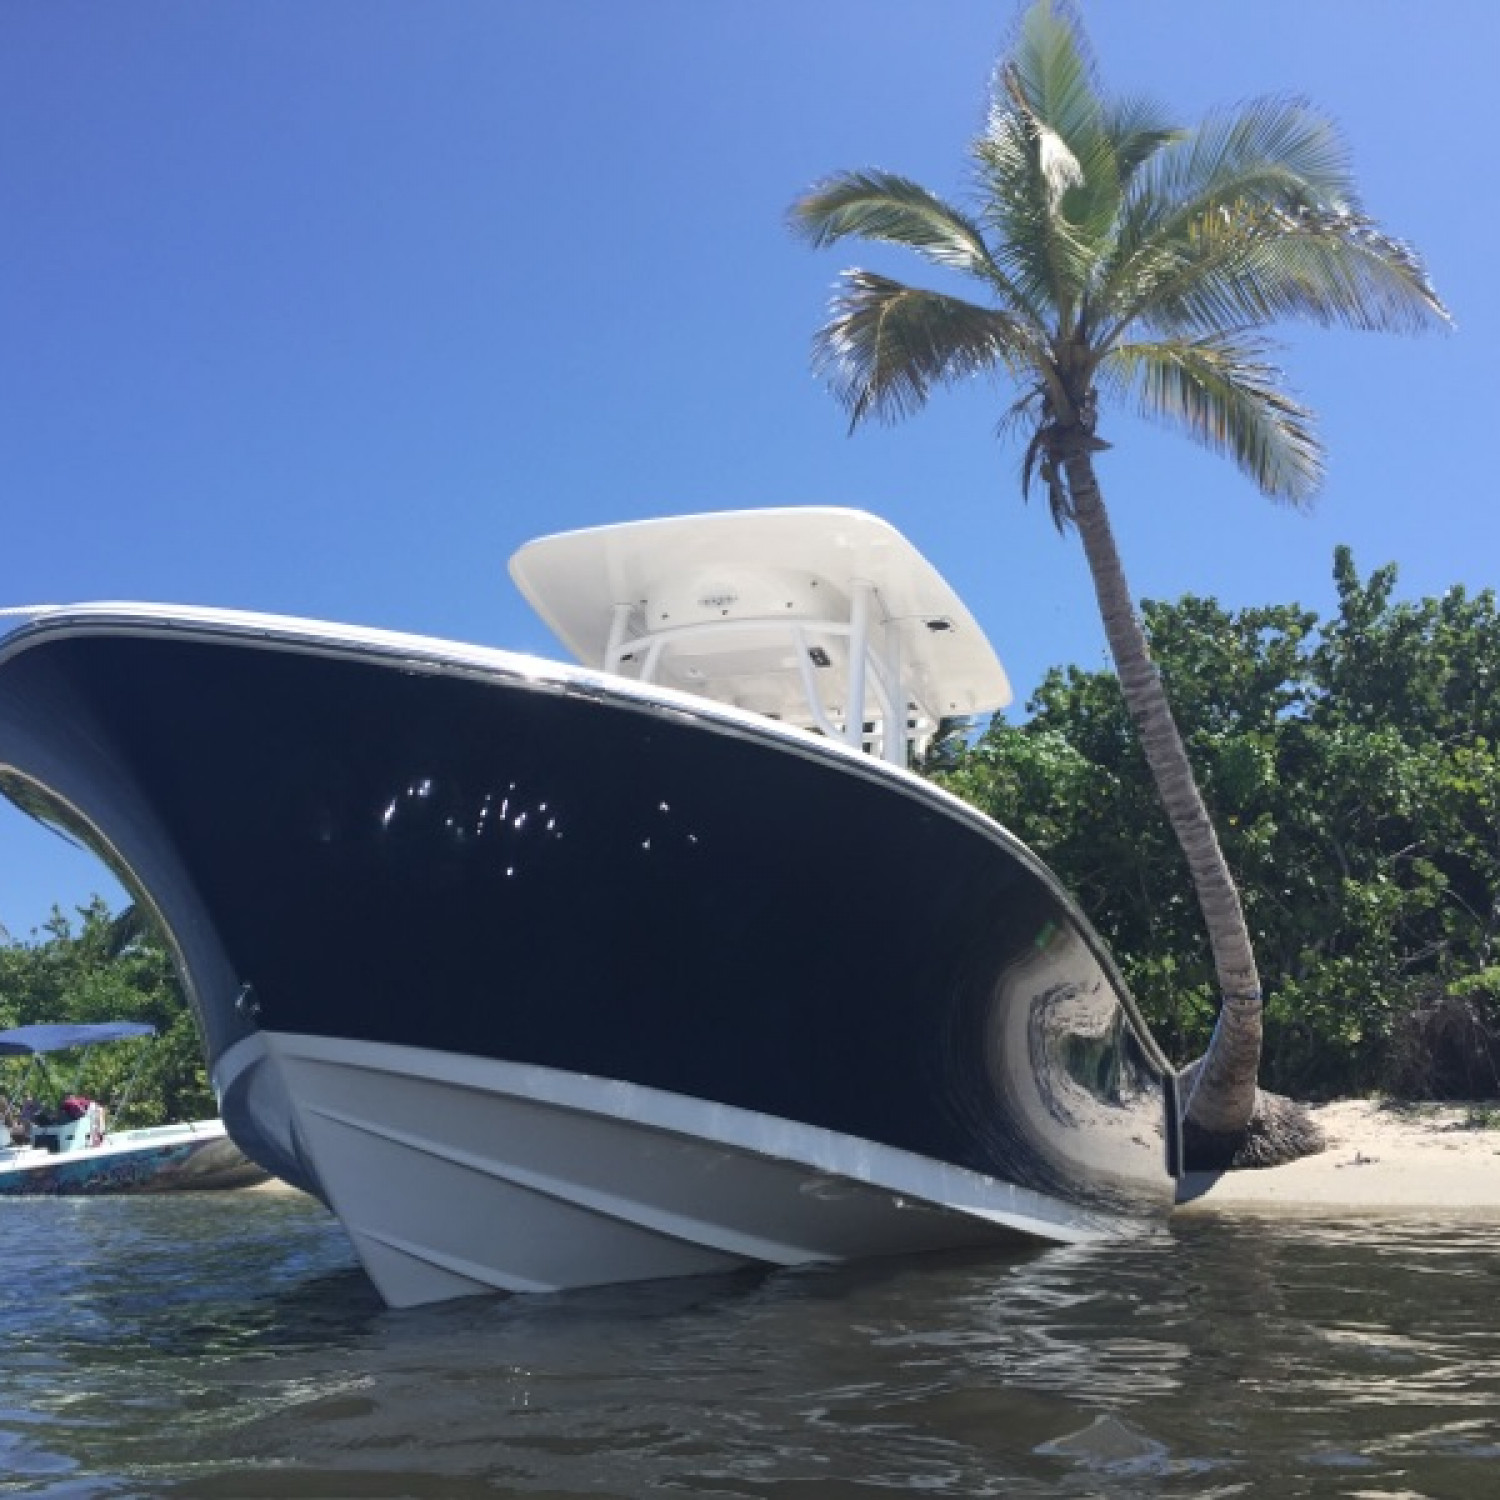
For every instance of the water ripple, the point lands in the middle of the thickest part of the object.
(227, 1347)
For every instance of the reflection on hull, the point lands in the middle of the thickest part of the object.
(540, 979)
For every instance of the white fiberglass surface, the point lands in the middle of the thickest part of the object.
(455, 1174)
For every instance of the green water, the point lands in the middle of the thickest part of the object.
(226, 1346)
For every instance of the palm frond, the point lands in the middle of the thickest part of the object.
(1050, 74)
(1249, 262)
(1223, 392)
(1025, 412)
(1046, 165)
(883, 206)
(1250, 266)
(1018, 214)
(1278, 139)
(1056, 165)
(887, 344)
(1055, 218)
(1040, 461)
(1273, 154)
(1335, 266)
(1137, 131)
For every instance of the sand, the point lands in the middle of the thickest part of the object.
(1381, 1158)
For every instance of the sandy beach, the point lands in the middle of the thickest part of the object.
(1381, 1158)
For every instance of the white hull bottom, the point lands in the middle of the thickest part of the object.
(456, 1175)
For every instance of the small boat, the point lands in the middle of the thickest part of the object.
(544, 975)
(59, 1142)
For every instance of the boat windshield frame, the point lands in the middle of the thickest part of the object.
(874, 663)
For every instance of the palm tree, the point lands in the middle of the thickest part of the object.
(1122, 256)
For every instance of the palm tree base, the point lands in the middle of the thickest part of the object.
(1280, 1130)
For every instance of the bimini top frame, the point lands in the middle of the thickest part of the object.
(824, 618)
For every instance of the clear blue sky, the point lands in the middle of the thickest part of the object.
(326, 306)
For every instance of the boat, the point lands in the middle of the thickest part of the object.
(545, 974)
(58, 1142)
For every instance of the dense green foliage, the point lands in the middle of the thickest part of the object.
(105, 968)
(1353, 769)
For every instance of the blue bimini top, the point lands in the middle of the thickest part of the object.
(26, 1041)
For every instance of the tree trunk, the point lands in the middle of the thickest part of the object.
(1219, 1096)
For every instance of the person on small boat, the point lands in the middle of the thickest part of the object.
(21, 1120)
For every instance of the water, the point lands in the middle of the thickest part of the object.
(222, 1346)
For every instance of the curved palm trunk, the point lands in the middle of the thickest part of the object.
(1221, 1092)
